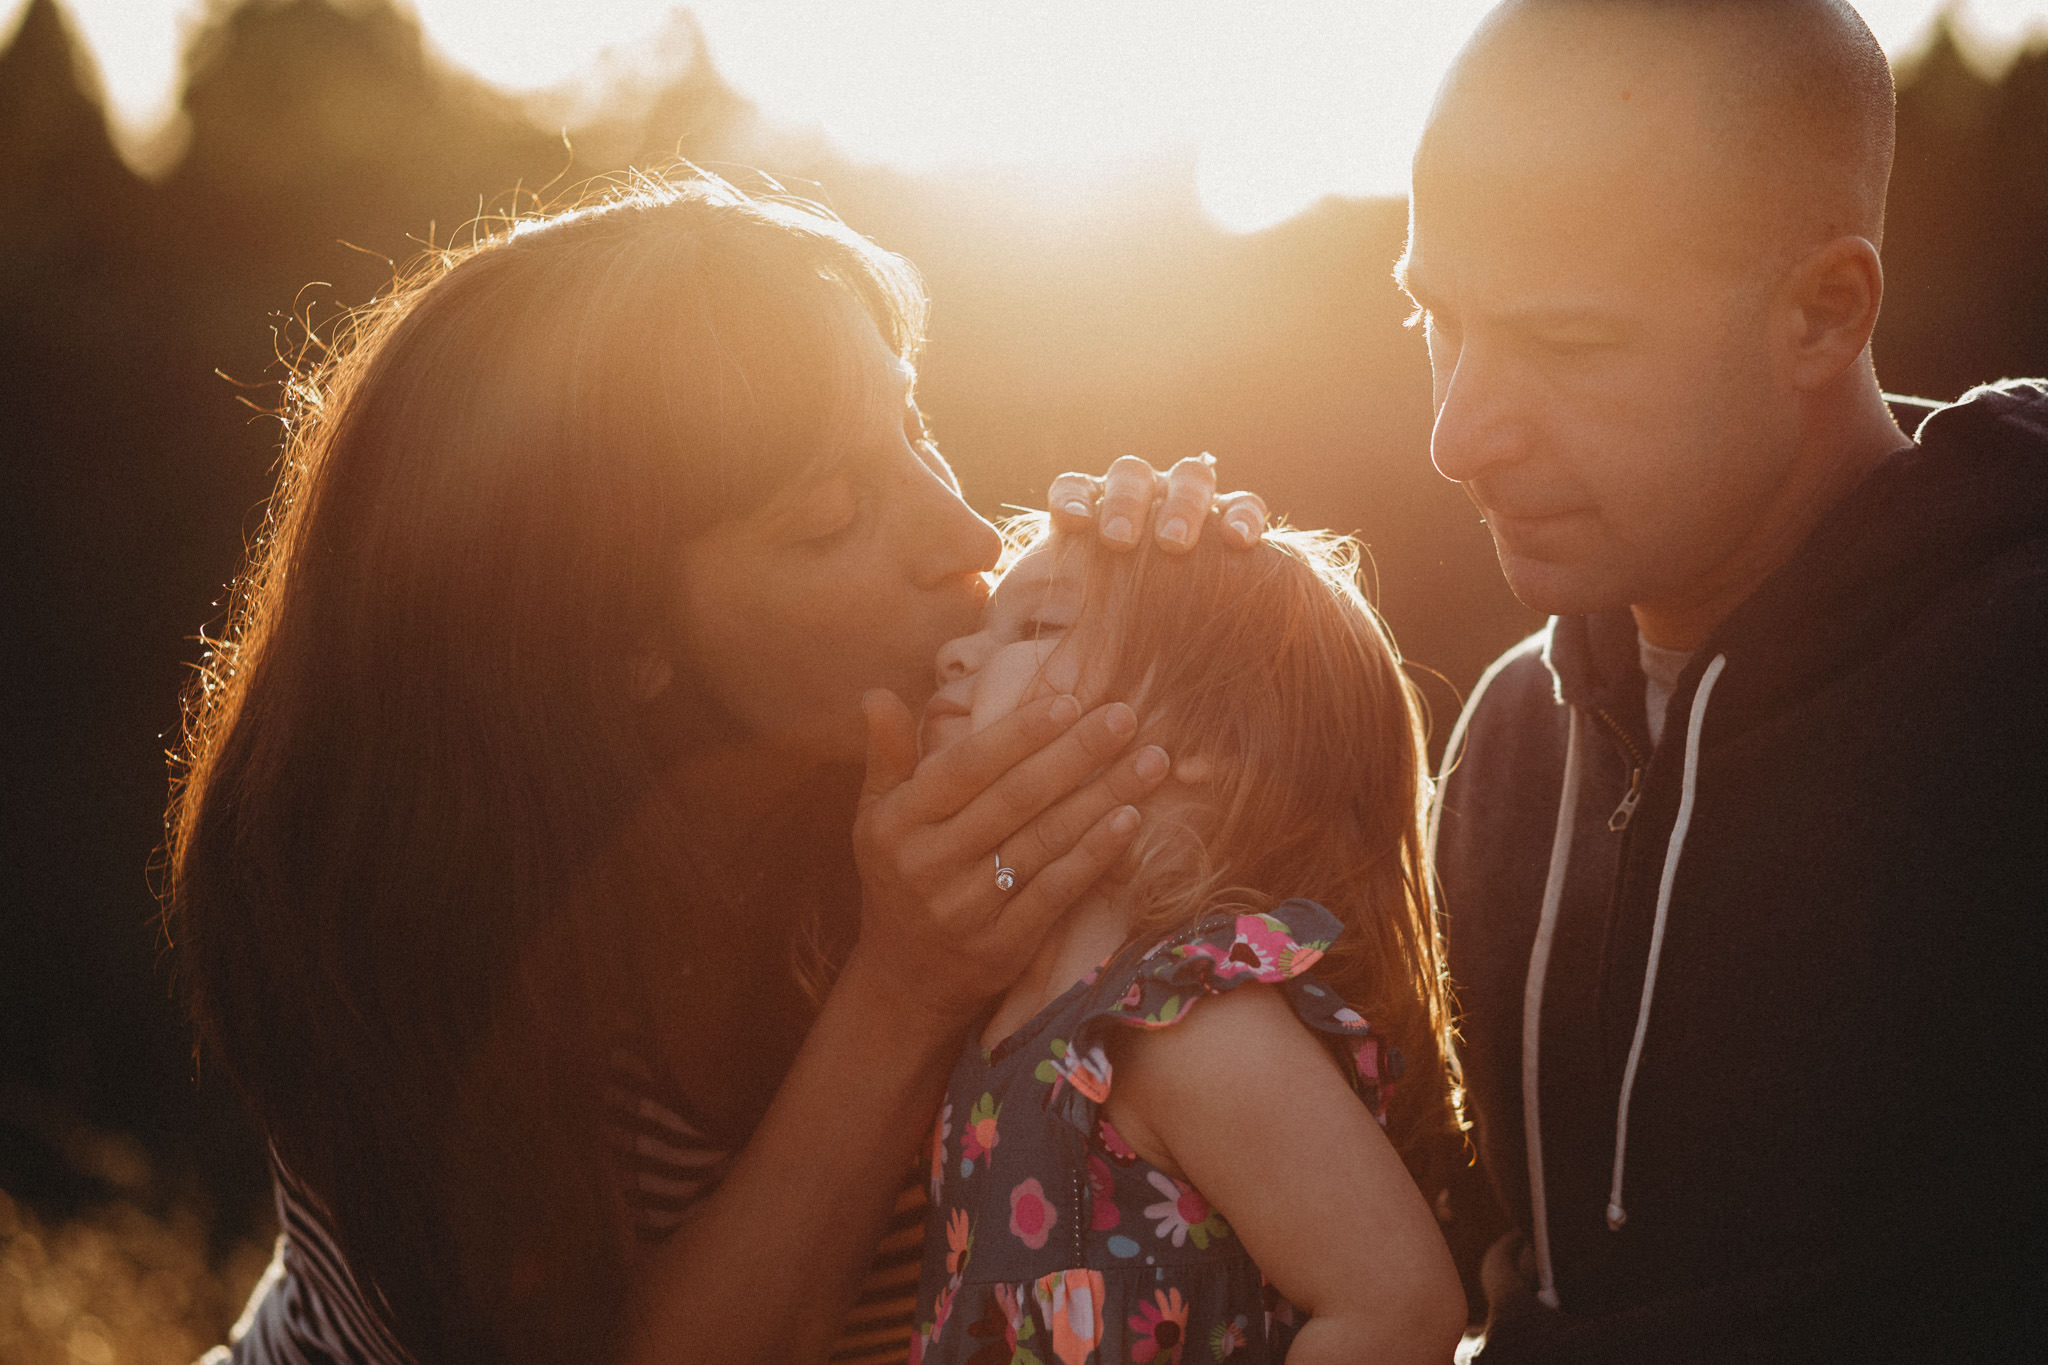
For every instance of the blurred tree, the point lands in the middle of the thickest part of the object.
(1966, 239)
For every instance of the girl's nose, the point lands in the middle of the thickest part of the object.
(957, 658)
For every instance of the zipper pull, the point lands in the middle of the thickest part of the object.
(1618, 821)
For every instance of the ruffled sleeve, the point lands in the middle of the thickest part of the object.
(1277, 948)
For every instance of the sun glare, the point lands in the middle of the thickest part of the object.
(1276, 105)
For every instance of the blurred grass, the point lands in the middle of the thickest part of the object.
(118, 1284)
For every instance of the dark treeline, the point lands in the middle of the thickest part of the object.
(145, 326)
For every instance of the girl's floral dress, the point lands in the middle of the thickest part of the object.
(1048, 1239)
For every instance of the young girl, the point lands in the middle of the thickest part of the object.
(1167, 1145)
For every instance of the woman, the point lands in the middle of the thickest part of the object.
(534, 741)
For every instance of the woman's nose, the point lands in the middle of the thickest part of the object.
(958, 543)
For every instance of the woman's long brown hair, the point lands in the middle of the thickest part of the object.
(424, 872)
(1270, 665)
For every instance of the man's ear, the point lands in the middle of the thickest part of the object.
(1827, 309)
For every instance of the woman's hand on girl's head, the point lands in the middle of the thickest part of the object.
(1046, 792)
(1176, 505)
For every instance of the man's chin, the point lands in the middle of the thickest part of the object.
(1559, 589)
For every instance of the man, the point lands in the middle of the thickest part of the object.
(1742, 855)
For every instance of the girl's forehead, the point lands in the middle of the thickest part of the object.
(1038, 567)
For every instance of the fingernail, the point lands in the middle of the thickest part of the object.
(1121, 720)
(1175, 532)
(1075, 508)
(1066, 711)
(1243, 529)
(1124, 821)
(1152, 763)
(1119, 530)
(1208, 459)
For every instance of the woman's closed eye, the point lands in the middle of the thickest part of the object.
(826, 512)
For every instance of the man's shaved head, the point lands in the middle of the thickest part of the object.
(1642, 244)
(1780, 112)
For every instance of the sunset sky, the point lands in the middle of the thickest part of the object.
(1279, 103)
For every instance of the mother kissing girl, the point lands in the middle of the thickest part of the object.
(601, 555)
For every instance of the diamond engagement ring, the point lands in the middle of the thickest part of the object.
(1006, 877)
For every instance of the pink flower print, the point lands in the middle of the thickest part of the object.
(1226, 1339)
(1160, 1328)
(1113, 1142)
(942, 1128)
(959, 1242)
(1279, 1312)
(1102, 1192)
(1087, 1072)
(1348, 1017)
(942, 1307)
(1264, 949)
(1133, 997)
(1071, 1304)
(1018, 1328)
(1031, 1214)
(1184, 1213)
(978, 1138)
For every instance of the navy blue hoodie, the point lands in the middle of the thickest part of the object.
(1834, 1125)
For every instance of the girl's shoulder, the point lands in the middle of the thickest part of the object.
(1158, 987)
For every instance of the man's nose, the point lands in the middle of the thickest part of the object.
(1479, 416)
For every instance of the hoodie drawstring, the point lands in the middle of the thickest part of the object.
(1539, 966)
(1532, 1010)
(1616, 1214)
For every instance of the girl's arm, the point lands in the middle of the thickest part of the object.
(768, 1263)
(1243, 1102)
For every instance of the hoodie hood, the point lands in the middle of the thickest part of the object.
(1972, 487)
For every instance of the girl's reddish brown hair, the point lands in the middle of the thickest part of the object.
(1271, 665)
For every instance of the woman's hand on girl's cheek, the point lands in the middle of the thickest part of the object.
(1176, 505)
(1048, 790)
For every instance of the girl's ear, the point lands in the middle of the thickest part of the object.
(648, 674)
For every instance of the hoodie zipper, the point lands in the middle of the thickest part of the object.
(1638, 762)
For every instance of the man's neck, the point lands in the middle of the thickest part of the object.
(1840, 446)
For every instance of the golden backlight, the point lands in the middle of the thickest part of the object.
(1276, 102)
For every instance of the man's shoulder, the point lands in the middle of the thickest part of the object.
(1512, 726)
(1516, 688)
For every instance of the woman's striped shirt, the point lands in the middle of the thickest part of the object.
(309, 1309)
